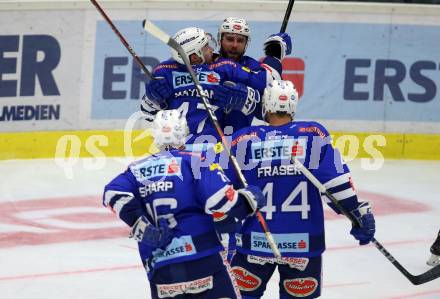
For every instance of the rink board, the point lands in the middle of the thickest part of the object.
(64, 71)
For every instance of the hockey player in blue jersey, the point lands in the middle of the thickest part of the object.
(234, 36)
(173, 205)
(293, 208)
(228, 85)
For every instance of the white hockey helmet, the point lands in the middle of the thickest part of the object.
(169, 129)
(280, 96)
(234, 25)
(192, 40)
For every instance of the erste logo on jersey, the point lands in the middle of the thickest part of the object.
(285, 242)
(183, 79)
(150, 168)
(280, 149)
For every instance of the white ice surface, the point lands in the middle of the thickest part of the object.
(102, 266)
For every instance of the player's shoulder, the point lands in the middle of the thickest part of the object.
(169, 64)
(188, 155)
(159, 158)
(311, 127)
(222, 62)
(250, 62)
(247, 133)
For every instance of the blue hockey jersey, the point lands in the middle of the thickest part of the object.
(180, 187)
(293, 210)
(186, 97)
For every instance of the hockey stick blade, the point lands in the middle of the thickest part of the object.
(156, 31)
(429, 275)
(164, 37)
(415, 279)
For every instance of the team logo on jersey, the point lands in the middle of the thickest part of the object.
(300, 287)
(285, 242)
(182, 246)
(246, 280)
(152, 168)
(280, 149)
(297, 150)
(173, 167)
(212, 78)
(183, 79)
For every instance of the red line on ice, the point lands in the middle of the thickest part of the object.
(44, 275)
(415, 295)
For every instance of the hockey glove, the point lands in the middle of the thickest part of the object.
(236, 96)
(278, 45)
(254, 198)
(149, 108)
(365, 232)
(145, 232)
(158, 90)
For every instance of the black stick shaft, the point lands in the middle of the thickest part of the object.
(122, 39)
(429, 275)
(287, 16)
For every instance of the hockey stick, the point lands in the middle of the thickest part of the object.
(287, 16)
(122, 39)
(164, 37)
(415, 279)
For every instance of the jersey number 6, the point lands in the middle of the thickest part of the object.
(167, 201)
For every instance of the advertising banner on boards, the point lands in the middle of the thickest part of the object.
(58, 74)
(40, 69)
(347, 71)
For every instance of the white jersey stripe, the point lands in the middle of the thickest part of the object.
(342, 179)
(217, 197)
(124, 198)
